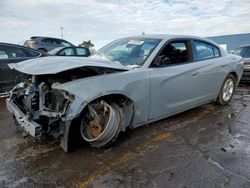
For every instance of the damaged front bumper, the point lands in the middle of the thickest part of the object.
(30, 126)
(45, 112)
(35, 129)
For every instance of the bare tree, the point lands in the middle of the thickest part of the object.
(87, 44)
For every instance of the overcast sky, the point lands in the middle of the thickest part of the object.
(105, 20)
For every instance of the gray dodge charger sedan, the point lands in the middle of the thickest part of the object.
(128, 83)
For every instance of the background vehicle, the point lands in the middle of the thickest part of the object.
(70, 51)
(244, 51)
(128, 83)
(45, 44)
(10, 53)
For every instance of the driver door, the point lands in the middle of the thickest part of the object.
(173, 82)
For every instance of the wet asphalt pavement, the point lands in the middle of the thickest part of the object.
(208, 146)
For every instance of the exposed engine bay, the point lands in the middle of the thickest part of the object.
(45, 106)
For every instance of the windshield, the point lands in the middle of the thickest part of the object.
(55, 50)
(129, 51)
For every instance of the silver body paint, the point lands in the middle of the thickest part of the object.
(156, 92)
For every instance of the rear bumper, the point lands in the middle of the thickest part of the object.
(31, 127)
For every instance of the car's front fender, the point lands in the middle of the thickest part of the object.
(133, 84)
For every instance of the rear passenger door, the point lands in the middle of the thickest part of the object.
(192, 75)
(212, 70)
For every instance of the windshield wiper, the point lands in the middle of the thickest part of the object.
(133, 66)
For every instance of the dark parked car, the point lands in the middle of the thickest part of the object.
(244, 51)
(10, 53)
(45, 44)
(70, 51)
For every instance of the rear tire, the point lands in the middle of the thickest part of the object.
(227, 90)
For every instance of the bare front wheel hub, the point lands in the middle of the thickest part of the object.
(100, 123)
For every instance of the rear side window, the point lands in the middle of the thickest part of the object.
(67, 52)
(82, 52)
(205, 50)
(51, 41)
(46, 40)
(31, 53)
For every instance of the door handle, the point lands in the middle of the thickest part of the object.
(223, 65)
(195, 73)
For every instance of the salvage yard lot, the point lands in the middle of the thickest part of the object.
(208, 146)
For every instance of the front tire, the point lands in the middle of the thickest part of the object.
(227, 90)
(101, 123)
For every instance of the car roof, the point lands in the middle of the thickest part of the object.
(19, 46)
(9, 44)
(16, 45)
(245, 45)
(46, 37)
(43, 37)
(170, 36)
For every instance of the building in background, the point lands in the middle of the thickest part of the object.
(231, 42)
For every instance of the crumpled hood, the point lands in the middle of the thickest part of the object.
(54, 65)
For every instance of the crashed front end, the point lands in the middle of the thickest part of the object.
(51, 99)
(41, 110)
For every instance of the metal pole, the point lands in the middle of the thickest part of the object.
(61, 28)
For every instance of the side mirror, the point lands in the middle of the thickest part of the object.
(162, 60)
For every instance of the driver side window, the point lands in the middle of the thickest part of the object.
(175, 52)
